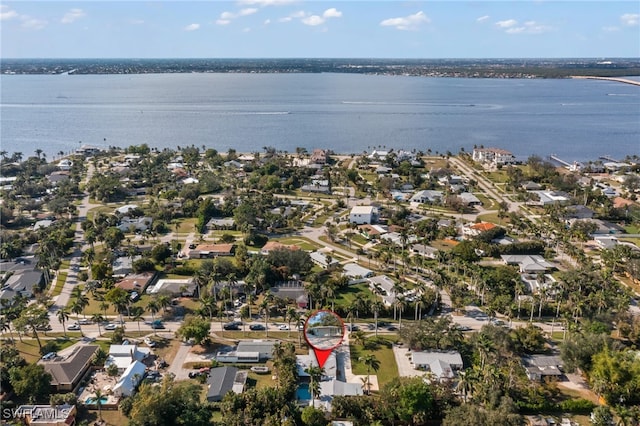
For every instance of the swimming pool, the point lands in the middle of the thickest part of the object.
(92, 401)
(303, 393)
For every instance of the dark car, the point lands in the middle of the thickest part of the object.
(157, 325)
(231, 326)
(256, 327)
(392, 328)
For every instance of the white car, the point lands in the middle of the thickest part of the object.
(73, 327)
(110, 326)
(283, 327)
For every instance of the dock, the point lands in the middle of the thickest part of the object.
(616, 79)
(554, 158)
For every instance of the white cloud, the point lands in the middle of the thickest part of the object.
(313, 20)
(223, 21)
(610, 29)
(267, 21)
(246, 30)
(227, 15)
(511, 26)
(483, 18)
(507, 24)
(411, 22)
(266, 2)
(332, 13)
(6, 13)
(630, 19)
(32, 23)
(300, 14)
(192, 27)
(248, 11)
(72, 15)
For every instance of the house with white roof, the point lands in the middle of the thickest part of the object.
(355, 271)
(443, 365)
(547, 198)
(383, 286)
(363, 214)
(527, 263)
(426, 197)
(65, 164)
(493, 156)
(124, 355)
(130, 379)
(323, 260)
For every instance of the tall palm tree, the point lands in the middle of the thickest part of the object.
(376, 307)
(63, 317)
(372, 363)
(315, 373)
(98, 319)
(77, 307)
(400, 303)
(136, 315)
(290, 315)
(97, 396)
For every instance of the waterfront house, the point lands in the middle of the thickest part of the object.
(493, 156)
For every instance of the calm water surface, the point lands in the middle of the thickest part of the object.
(575, 119)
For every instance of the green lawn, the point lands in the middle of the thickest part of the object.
(347, 296)
(185, 226)
(303, 243)
(384, 353)
(61, 278)
(30, 351)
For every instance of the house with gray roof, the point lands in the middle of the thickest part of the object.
(22, 282)
(223, 380)
(383, 286)
(248, 351)
(426, 197)
(540, 366)
(67, 372)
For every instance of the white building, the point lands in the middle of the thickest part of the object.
(363, 214)
(426, 196)
(443, 365)
(493, 156)
(130, 379)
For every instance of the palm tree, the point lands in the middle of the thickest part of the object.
(464, 385)
(400, 303)
(164, 301)
(77, 307)
(359, 338)
(63, 317)
(315, 373)
(376, 307)
(136, 314)
(372, 363)
(290, 315)
(98, 319)
(97, 396)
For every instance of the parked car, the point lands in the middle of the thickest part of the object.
(149, 342)
(110, 326)
(157, 325)
(134, 296)
(49, 356)
(256, 327)
(45, 327)
(231, 326)
(85, 321)
(283, 327)
(464, 328)
(352, 327)
(73, 327)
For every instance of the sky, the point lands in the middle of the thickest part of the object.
(320, 29)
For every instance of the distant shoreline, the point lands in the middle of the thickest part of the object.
(451, 68)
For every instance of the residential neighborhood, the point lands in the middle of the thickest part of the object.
(469, 285)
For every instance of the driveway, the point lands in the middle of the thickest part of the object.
(180, 358)
(403, 360)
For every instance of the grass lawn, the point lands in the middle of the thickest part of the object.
(260, 381)
(110, 417)
(276, 335)
(185, 226)
(303, 243)
(384, 353)
(347, 296)
(487, 203)
(493, 218)
(60, 279)
(497, 177)
(30, 351)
